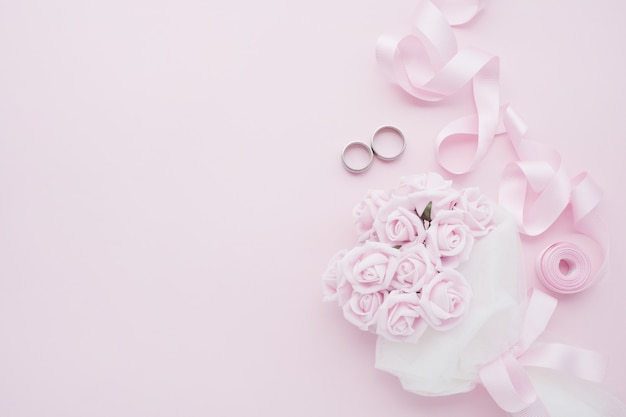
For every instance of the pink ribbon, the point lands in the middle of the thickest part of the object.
(460, 12)
(564, 268)
(506, 379)
(429, 66)
(536, 189)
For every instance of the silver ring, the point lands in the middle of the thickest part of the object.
(354, 144)
(390, 129)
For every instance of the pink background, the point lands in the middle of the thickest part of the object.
(171, 191)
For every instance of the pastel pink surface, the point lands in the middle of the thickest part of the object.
(171, 192)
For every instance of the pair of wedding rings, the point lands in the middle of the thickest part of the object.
(390, 133)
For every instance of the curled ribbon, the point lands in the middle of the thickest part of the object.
(536, 190)
(429, 66)
(564, 268)
(506, 379)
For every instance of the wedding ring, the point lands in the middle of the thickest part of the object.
(357, 167)
(388, 129)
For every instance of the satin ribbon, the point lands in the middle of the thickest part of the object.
(429, 66)
(537, 188)
(564, 268)
(460, 12)
(506, 379)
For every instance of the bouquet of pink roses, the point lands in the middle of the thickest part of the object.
(402, 278)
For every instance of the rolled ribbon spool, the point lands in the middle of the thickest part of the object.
(564, 268)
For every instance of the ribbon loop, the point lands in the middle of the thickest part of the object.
(505, 377)
(586, 196)
(428, 66)
(537, 190)
(508, 384)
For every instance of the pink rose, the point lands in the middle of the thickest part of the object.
(428, 188)
(415, 267)
(365, 212)
(444, 299)
(334, 285)
(361, 309)
(478, 210)
(370, 267)
(449, 239)
(400, 317)
(420, 182)
(397, 223)
(440, 200)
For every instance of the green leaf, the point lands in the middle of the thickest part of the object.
(397, 246)
(426, 214)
